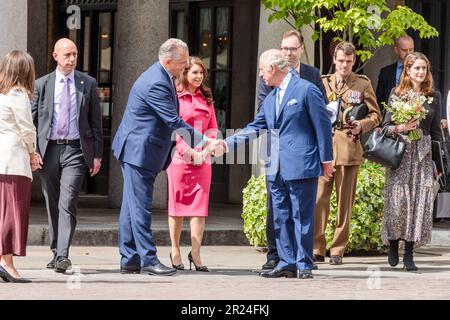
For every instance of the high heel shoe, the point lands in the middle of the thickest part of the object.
(9, 278)
(179, 266)
(197, 268)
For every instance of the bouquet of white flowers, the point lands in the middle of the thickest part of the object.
(408, 107)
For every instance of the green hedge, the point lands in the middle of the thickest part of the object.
(365, 222)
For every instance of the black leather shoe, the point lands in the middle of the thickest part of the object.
(130, 270)
(304, 274)
(7, 277)
(51, 264)
(270, 265)
(318, 258)
(335, 260)
(159, 270)
(62, 264)
(278, 273)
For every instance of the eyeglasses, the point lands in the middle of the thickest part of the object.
(291, 49)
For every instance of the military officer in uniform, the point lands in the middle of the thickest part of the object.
(346, 89)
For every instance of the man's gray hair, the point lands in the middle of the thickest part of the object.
(406, 37)
(274, 57)
(169, 49)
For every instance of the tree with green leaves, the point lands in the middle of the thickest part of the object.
(369, 24)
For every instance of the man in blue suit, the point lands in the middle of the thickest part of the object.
(142, 144)
(300, 152)
(292, 47)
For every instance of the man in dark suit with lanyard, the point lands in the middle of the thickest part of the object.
(292, 47)
(67, 115)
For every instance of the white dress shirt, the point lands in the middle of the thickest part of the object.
(73, 126)
(283, 86)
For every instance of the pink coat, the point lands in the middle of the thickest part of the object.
(189, 185)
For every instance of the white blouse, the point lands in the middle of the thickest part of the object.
(17, 134)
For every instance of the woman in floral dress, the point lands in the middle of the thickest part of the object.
(408, 193)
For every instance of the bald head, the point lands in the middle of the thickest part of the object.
(65, 54)
(273, 67)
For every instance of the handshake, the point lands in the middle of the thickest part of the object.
(212, 147)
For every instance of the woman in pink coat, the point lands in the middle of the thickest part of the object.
(190, 171)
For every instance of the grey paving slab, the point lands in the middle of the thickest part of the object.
(234, 275)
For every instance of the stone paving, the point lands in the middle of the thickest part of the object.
(233, 276)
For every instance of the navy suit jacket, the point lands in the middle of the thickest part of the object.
(144, 137)
(89, 114)
(304, 132)
(386, 81)
(308, 73)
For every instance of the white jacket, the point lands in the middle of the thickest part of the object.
(17, 134)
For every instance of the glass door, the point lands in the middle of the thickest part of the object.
(95, 42)
(206, 27)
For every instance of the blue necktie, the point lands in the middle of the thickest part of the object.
(399, 74)
(277, 103)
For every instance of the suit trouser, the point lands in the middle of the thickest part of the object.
(136, 244)
(272, 253)
(345, 178)
(61, 178)
(293, 210)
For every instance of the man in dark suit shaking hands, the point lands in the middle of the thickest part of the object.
(142, 144)
(66, 113)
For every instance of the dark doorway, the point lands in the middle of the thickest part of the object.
(95, 42)
(207, 28)
(436, 13)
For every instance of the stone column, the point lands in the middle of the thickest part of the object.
(141, 28)
(13, 23)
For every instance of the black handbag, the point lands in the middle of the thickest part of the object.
(385, 150)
